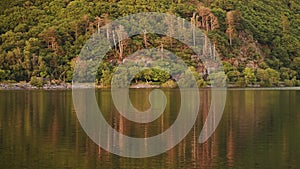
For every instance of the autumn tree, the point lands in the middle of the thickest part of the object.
(232, 20)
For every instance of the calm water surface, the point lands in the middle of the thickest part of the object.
(259, 129)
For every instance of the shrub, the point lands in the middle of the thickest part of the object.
(201, 83)
(106, 78)
(249, 76)
(35, 81)
(297, 82)
(268, 77)
(169, 84)
(241, 82)
(217, 79)
(233, 76)
(289, 83)
(2, 75)
(287, 73)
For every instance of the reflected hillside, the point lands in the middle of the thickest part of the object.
(258, 130)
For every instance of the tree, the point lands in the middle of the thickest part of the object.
(208, 20)
(50, 38)
(41, 38)
(296, 65)
(249, 76)
(232, 19)
(123, 42)
(285, 24)
(268, 77)
(233, 76)
(287, 73)
(2, 75)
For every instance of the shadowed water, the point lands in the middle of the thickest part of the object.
(259, 129)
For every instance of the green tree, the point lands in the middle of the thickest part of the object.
(296, 65)
(287, 73)
(268, 77)
(249, 76)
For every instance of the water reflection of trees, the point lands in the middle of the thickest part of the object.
(42, 129)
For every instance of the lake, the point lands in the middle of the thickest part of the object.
(259, 129)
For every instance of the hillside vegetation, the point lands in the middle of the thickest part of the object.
(257, 40)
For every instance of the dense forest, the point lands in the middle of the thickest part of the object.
(257, 40)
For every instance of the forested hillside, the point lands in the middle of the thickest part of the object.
(258, 40)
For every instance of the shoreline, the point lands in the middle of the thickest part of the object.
(68, 86)
(27, 86)
(64, 86)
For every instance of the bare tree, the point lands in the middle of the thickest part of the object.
(122, 35)
(232, 20)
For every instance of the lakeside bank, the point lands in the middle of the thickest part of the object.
(68, 86)
(63, 86)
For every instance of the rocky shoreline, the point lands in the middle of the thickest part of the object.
(68, 86)
(27, 86)
(64, 86)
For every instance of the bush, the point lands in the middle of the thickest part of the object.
(169, 84)
(233, 76)
(217, 79)
(268, 77)
(297, 82)
(186, 80)
(35, 81)
(287, 73)
(9, 81)
(201, 83)
(2, 75)
(289, 83)
(106, 78)
(241, 82)
(249, 76)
